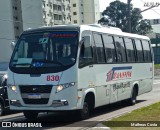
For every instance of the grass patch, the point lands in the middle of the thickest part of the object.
(150, 113)
(156, 66)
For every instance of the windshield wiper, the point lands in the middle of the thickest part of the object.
(54, 62)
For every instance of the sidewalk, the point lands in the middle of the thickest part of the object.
(157, 77)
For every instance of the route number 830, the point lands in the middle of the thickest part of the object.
(52, 78)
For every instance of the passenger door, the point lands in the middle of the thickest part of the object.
(114, 93)
(86, 76)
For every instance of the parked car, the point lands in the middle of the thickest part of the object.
(4, 103)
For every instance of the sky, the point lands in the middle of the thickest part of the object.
(153, 13)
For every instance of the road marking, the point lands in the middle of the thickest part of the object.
(156, 83)
(20, 117)
(14, 118)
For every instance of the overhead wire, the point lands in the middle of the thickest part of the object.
(151, 9)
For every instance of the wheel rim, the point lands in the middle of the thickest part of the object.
(85, 110)
(134, 97)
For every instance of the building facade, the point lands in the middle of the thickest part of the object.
(155, 39)
(19, 15)
(56, 12)
(154, 21)
(85, 11)
(16, 16)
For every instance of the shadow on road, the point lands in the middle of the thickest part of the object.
(61, 119)
(9, 112)
(54, 119)
(111, 107)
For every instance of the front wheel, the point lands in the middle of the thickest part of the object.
(85, 111)
(30, 115)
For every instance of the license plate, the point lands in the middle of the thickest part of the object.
(34, 96)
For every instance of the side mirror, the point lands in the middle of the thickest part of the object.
(13, 45)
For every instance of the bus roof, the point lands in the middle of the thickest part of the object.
(56, 27)
(91, 27)
(111, 30)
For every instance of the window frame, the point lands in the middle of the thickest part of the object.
(103, 48)
(149, 51)
(134, 51)
(92, 50)
(105, 34)
(116, 48)
(137, 59)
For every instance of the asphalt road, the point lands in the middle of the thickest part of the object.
(69, 120)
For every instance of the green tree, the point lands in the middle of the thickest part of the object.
(116, 15)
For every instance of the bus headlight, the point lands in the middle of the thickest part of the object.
(13, 88)
(64, 86)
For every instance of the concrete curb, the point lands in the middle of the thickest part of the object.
(100, 126)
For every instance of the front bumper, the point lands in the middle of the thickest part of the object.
(64, 100)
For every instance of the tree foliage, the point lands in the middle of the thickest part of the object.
(116, 15)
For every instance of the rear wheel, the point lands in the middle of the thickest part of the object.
(30, 115)
(133, 99)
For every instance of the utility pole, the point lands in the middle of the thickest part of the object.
(129, 15)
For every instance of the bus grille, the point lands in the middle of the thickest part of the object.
(36, 89)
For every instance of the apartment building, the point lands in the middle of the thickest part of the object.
(85, 11)
(56, 12)
(16, 16)
(19, 15)
(155, 23)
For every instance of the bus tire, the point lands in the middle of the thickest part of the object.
(30, 115)
(85, 111)
(133, 99)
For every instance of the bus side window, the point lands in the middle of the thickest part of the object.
(129, 49)
(146, 51)
(86, 55)
(139, 50)
(109, 48)
(151, 50)
(99, 48)
(120, 49)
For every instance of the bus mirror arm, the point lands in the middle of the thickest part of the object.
(13, 43)
(82, 41)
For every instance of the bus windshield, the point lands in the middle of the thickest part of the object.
(45, 50)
